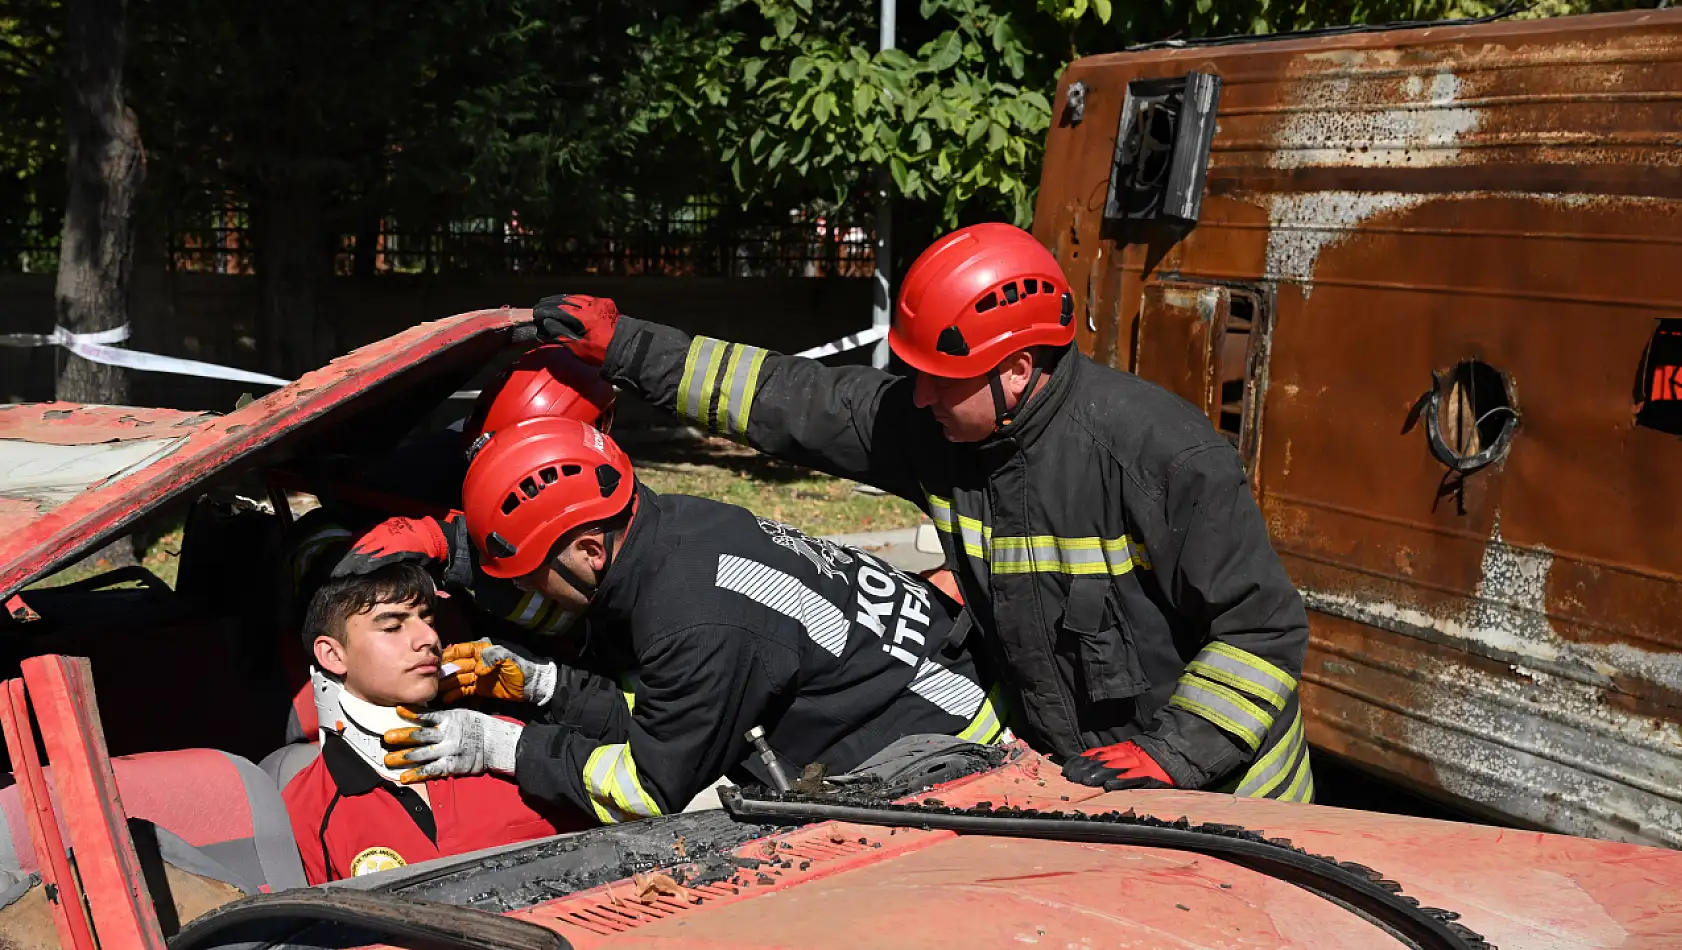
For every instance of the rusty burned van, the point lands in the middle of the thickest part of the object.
(1426, 281)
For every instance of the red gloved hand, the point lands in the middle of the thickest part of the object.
(424, 541)
(583, 324)
(1117, 767)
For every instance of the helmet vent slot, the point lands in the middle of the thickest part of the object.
(510, 503)
(987, 303)
(549, 475)
(570, 469)
(530, 487)
(1010, 292)
(608, 478)
(1030, 286)
(952, 342)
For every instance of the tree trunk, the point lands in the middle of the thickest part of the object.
(106, 167)
(292, 256)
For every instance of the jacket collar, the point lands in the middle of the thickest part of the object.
(1043, 404)
(352, 775)
(617, 595)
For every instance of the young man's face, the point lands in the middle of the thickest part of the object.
(389, 657)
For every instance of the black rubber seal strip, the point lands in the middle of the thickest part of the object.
(388, 915)
(1346, 884)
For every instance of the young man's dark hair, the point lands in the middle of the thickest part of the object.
(342, 598)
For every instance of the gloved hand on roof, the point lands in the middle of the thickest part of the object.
(439, 544)
(1117, 767)
(583, 324)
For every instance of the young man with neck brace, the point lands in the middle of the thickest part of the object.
(375, 649)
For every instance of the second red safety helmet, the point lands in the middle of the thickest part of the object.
(976, 296)
(533, 482)
(546, 381)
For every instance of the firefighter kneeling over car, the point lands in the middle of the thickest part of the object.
(724, 620)
(1102, 532)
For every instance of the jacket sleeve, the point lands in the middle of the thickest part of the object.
(850, 421)
(701, 689)
(593, 706)
(1237, 694)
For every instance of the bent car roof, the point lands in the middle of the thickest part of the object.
(74, 478)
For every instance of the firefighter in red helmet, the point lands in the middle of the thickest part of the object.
(725, 621)
(1101, 530)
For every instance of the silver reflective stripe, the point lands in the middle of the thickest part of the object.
(1223, 707)
(1051, 554)
(952, 693)
(694, 394)
(611, 776)
(1242, 670)
(741, 376)
(525, 612)
(825, 624)
(1267, 776)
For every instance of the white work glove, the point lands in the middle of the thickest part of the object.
(486, 671)
(451, 742)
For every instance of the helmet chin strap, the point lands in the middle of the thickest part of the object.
(1004, 418)
(610, 541)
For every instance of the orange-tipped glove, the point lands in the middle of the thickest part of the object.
(488, 671)
(451, 742)
(583, 324)
(1117, 767)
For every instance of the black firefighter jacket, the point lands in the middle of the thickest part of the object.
(1107, 544)
(723, 621)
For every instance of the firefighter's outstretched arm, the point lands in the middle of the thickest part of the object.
(852, 421)
(1236, 704)
(701, 689)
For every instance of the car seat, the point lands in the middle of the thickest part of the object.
(220, 807)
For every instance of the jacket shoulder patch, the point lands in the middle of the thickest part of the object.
(369, 860)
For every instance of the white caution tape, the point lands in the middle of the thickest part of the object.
(96, 348)
(852, 341)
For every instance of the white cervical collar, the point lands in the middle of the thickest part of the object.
(362, 724)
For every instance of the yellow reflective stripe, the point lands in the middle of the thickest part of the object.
(525, 611)
(986, 726)
(741, 379)
(695, 391)
(1253, 674)
(610, 776)
(1046, 553)
(1302, 785)
(1240, 670)
(969, 533)
(1224, 707)
(1275, 764)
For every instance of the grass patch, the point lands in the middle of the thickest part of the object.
(162, 557)
(725, 471)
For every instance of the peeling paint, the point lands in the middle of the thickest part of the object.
(1303, 225)
(1363, 123)
(1607, 772)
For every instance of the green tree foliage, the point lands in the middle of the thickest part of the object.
(792, 94)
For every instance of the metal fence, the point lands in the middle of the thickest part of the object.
(697, 238)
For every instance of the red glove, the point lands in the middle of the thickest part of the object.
(584, 324)
(1117, 767)
(423, 541)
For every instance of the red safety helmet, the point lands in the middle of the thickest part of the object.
(546, 381)
(533, 482)
(976, 296)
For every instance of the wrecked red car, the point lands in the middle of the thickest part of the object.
(145, 823)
